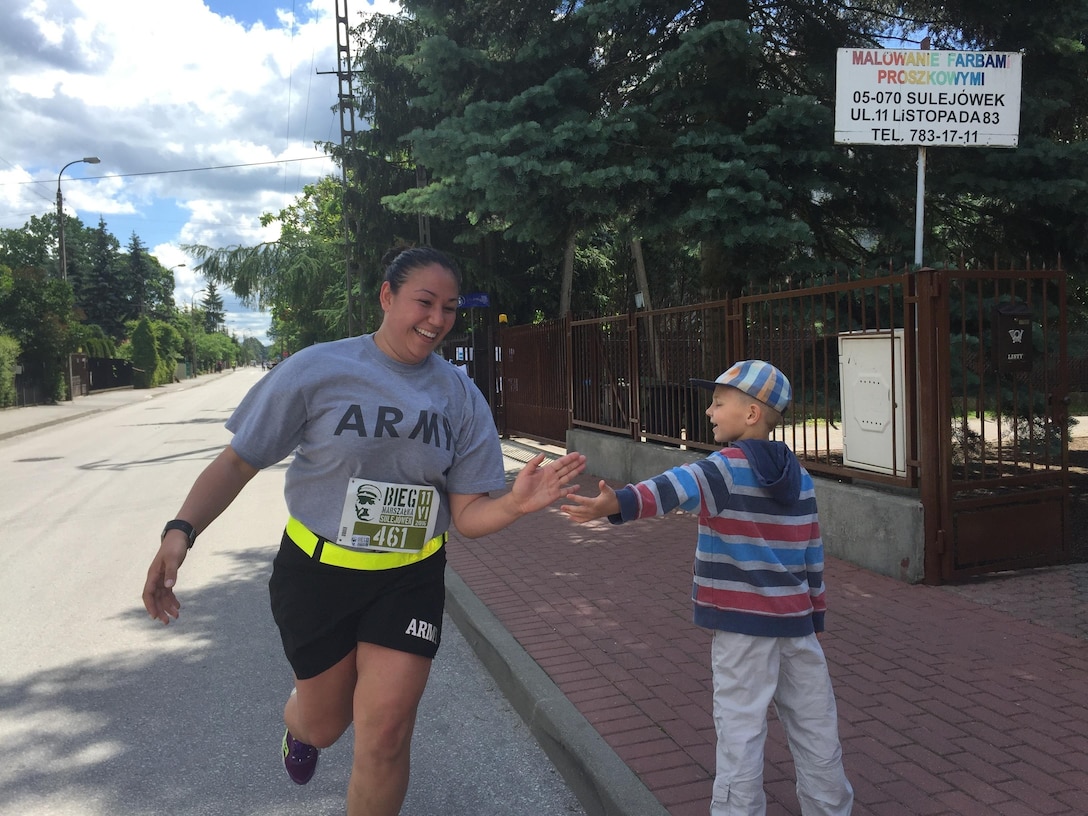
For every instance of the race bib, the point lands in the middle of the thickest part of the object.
(385, 517)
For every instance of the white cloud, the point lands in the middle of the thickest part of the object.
(160, 95)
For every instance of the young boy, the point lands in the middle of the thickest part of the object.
(758, 585)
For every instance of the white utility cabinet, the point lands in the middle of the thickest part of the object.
(871, 381)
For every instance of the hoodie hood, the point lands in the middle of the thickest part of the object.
(775, 467)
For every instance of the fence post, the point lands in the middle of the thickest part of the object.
(567, 335)
(734, 321)
(634, 392)
(933, 427)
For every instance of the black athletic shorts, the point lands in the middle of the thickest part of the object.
(323, 611)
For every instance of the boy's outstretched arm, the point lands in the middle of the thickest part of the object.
(587, 508)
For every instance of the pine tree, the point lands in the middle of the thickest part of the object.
(704, 133)
(213, 309)
(104, 299)
(139, 277)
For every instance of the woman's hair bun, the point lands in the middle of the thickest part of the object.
(402, 259)
(392, 253)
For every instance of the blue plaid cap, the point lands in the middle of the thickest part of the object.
(757, 379)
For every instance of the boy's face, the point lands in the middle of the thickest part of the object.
(733, 415)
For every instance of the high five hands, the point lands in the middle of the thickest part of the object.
(588, 508)
(536, 487)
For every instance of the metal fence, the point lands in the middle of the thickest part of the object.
(958, 374)
(845, 346)
(631, 373)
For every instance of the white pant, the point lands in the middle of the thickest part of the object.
(750, 673)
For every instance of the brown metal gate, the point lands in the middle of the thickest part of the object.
(533, 387)
(993, 394)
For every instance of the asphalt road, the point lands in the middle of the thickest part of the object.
(105, 712)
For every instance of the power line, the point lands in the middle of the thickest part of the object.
(39, 195)
(169, 172)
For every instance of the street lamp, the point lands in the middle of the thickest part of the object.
(192, 323)
(171, 271)
(63, 258)
(60, 211)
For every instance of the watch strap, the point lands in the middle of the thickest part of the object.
(184, 526)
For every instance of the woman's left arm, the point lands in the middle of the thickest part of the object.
(478, 514)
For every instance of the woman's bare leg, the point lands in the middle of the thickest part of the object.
(387, 694)
(321, 710)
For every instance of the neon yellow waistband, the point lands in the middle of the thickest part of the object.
(337, 556)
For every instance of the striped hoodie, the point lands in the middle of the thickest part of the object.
(759, 557)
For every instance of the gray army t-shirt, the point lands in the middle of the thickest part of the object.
(347, 410)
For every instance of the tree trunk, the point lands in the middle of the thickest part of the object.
(640, 272)
(644, 288)
(568, 274)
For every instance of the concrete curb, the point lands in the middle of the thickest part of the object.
(15, 421)
(48, 423)
(603, 783)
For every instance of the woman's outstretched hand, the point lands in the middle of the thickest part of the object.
(538, 486)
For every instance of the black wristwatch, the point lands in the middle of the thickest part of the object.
(184, 526)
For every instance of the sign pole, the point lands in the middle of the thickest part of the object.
(920, 196)
(920, 206)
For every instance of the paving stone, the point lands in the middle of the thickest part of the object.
(962, 700)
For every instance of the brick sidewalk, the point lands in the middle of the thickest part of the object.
(951, 702)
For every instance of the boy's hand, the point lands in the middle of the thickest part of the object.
(588, 508)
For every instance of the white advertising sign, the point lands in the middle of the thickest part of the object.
(889, 96)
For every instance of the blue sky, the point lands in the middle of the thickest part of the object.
(204, 119)
(249, 12)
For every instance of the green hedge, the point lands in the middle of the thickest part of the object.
(9, 353)
(145, 355)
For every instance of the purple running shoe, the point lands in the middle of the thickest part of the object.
(299, 759)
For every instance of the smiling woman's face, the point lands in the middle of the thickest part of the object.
(419, 315)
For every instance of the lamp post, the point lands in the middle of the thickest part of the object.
(60, 212)
(192, 321)
(171, 271)
(63, 258)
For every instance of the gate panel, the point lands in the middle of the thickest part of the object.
(1003, 497)
(604, 375)
(534, 382)
(1021, 532)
